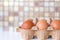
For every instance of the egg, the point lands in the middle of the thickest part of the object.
(28, 24)
(42, 24)
(55, 24)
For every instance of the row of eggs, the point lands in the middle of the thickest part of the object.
(40, 24)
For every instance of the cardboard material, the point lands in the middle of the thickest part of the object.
(56, 35)
(27, 34)
(42, 35)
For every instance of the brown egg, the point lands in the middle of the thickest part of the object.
(42, 24)
(55, 24)
(28, 24)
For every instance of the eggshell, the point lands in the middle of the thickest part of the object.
(42, 24)
(28, 24)
(55, 24)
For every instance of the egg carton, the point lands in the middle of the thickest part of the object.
(40, 34)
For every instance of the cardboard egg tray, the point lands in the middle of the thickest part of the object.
(40, 34)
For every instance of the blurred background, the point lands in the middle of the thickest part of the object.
(14, 12)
